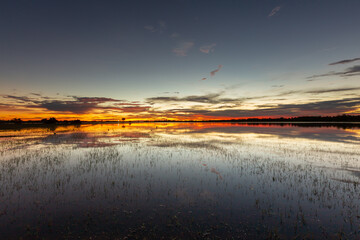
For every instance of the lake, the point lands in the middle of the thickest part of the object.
(181, 180)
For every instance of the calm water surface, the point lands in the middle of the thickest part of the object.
(180, 180)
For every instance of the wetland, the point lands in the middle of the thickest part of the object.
(180, 181)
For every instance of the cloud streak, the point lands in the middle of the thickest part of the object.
(349, 72)
(333, 90)
(345, 61)
(212, 73)
(274, 11)
(213, 98)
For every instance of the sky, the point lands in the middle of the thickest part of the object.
(178, 59)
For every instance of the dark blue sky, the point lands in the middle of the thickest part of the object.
(135, 50)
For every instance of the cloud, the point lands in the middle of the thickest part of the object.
(96, 99)
(162, 24)
(217, 98)
(345, 61)
(210, 105)
(150, 28)
(68, 106)
(131, 109)
(212, 73)
(208, 98)
(211, 98)
(333, 90)
(274, 11)
(313, 108)
(79, 105)
(182, 49)
(354, 70)
(174, 35)
(160, 27)
(207, 48)
(82, 105)
(349, 72)
(19, 98)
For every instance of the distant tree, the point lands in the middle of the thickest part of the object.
(123, 119)
(77, 121)
(51, 120)
(16, 120)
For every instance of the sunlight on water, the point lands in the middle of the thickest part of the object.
(182, 180)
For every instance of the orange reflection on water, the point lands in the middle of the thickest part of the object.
(127, 171)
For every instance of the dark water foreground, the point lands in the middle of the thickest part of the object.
(180, 181)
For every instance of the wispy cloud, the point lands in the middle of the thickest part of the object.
(182, 49)
(207, 48)
(211, 98)
(212, 73)
(162, 24)
(218, 97)
(175, 35)
(333, 90)
(160, 27)
(96, 99)
(313, 108)
(150, 28)
(274, 11)
(345, 61)
(170, 92)
(349, 72)
(22, 99)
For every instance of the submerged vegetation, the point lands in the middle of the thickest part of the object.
(180, 181)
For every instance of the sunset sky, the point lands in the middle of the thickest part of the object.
(178, 59)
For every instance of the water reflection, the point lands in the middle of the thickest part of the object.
(180, 180)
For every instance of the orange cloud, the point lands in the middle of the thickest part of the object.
(182, 49)
(207, 48)
(212, 73)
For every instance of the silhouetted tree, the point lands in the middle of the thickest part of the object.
(77, 121)
(16, 120)
(51, 120)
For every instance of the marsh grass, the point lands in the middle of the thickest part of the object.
(166, 184)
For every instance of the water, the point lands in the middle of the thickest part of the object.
(180, 180)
